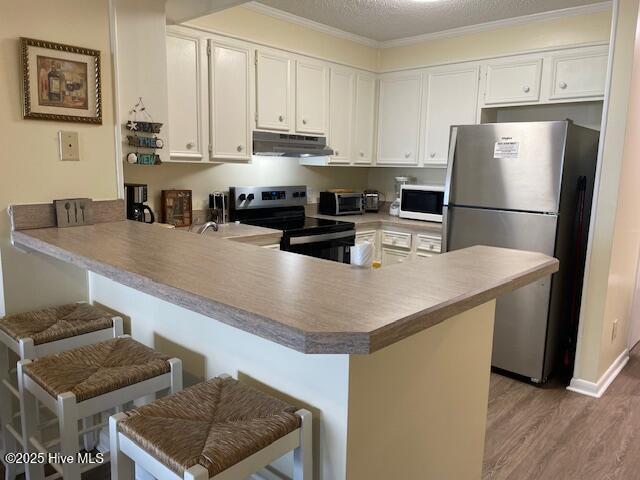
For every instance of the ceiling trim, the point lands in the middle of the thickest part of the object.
(304, 22)
(507, 22)
(454, 32)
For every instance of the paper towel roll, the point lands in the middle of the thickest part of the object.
(362, 255)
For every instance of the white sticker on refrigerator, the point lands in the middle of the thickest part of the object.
(506, 148)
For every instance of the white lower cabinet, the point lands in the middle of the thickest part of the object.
(391, 256)
(392, 246)
(230, 102)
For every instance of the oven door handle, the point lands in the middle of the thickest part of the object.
(320, 238)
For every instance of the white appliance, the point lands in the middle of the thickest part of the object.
(422, 202)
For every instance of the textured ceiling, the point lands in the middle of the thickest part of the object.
(384, 20)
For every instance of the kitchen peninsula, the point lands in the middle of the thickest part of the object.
(398, 388)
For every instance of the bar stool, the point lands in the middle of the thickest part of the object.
(219, 429)
(86, 381)
(44, 332)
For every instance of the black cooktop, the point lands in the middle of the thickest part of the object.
(301, 225)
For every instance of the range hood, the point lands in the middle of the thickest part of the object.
(287, 145)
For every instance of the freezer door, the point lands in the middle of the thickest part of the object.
(507, 166)
(520, 332)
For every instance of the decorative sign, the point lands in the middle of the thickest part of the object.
(60, 82)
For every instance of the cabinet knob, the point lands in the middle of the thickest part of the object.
(362, 154)
(281, 118)
(563, 85)
(433, 155)
(190, 145)
(407, 155)
(304, 122)
(336, 152)
(239, 148)
(526, 89)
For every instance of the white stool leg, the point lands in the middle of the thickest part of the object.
(6, 412)
(29, 419)
(197, 472)
(69, 442)
(303, 455)
(89, 438)
(122, 467)
(176, 374)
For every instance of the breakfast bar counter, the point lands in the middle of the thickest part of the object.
(393, 363)
(304, 303)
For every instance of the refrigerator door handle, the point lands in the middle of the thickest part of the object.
(453, 137)
(445, 228)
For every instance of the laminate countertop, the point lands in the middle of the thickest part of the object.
(304, 303)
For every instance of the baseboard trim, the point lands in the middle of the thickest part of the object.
(597, 389)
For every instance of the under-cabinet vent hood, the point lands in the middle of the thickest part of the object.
(287, 145)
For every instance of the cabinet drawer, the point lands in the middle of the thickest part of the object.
(368, 236)
(427, 243)
(396, 239)
(576, 76)
(513, 82)
(392, 255)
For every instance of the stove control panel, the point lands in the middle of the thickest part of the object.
(243, 198)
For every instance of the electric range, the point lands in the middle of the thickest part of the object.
(282, 208)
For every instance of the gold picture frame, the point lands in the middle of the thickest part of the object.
(60, 82)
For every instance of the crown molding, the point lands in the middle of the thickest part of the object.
(304, 22)
(507, 22)
(454, 32)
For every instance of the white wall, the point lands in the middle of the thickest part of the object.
(30, 170)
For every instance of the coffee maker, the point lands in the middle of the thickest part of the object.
(136, 195)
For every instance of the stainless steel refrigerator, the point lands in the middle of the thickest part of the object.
(526, 186)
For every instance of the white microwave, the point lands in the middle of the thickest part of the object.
(422, 202)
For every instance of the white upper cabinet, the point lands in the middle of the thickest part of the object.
(312, 86)
(273, 91)
(513, 81)
(578, 75)
(399, 119)
(230, 102)
(364, 121)
(341, 111)
(451, 99)
(187, 105)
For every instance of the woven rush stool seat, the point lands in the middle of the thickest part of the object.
(56, 323)
(210, 428)
(87, 381)
(36, 334)
(96, 369)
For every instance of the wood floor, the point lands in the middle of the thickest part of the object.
(550, 433)
(553, 434)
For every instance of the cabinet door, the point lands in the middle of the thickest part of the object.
(364, 124)
(578, 76)
(184, 83)
(230, 107)
(452, 99)
(341, 114)
(399, 119)
(392, 256)
(513, 82)
(273, 90)
(311, 97)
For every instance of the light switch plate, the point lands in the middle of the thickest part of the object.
(69, 148)
(73, 212)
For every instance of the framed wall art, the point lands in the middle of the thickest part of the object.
(60, 82)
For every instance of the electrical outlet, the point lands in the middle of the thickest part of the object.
(614, 330)
(69, 148)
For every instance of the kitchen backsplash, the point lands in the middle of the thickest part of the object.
(264, 171)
